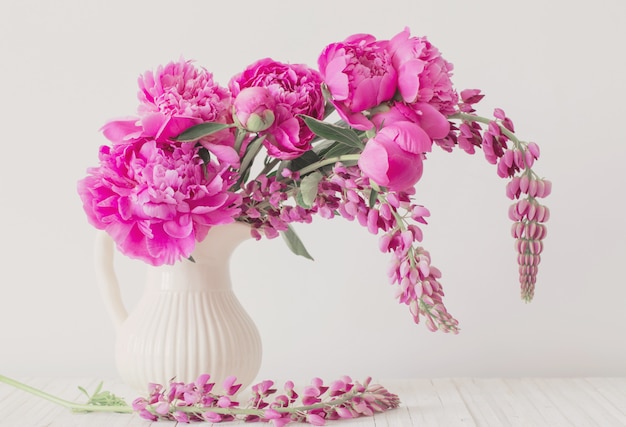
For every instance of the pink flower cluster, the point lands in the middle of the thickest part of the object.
(528, 228)
(282, 91)
(265, 206)
(155, 201)
(154, 196)
(514, 160)
(401, 88)
(197, 401)
(184, 163)
(347, 192)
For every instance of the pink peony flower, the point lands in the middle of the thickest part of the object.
(296, 89)
(393, 158)
(423, 75)
(173, 98)
(359, 75)
(156, 200)
(253, 109)
(181, 89)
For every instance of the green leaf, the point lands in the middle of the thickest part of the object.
(199, 131)
(307, 158)
(373, 198)
(84, 391)
(103, 398)
(337, 149)
(294, 243)
(308, 188)
(328, 109)
(332, 132)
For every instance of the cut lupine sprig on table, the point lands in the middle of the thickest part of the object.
(198, 401)
(185, 162)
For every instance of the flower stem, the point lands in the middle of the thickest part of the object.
(62, 402)
(485, 120)
(260, 412)
(329, 161)
(268, 167)
(253, 150)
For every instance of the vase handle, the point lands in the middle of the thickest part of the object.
(107, 279)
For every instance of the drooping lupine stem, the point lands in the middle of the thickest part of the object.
(474, 118)
(525, 187)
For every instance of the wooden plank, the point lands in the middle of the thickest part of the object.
(543, 412)
(576, 403)
(452, 410)
(420, 399)
(479, 401)
(466, 402)
(611, 389)
(28, 410)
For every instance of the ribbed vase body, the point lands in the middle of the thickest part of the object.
(189, 322)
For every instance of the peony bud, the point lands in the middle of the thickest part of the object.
(253, 109)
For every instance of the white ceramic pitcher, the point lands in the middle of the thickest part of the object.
(188, 321)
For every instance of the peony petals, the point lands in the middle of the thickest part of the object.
(122, 130)
(409, 136)
(432, 121)
(336, 80)
(179, 228)
(173, 126)
(294, 89)
(408, 81)
(224, 153)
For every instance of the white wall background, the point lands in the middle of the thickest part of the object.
(557, 68)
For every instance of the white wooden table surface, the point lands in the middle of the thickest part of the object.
(524, 402)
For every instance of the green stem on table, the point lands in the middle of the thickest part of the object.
(329, 161)
(62, 402)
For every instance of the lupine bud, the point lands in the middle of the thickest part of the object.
(547, 189)
(517, 229)
(524, 183)
(528, 157)
(513, 214)
(471, 96)
(503, 169)
(508, 157)
(532, 188)
(541, 212)
(534, 149)
(532, 208)
(513, 188)
(522, 207)
(498, 113)
(519, 159)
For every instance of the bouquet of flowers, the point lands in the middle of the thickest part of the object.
(346, 139)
